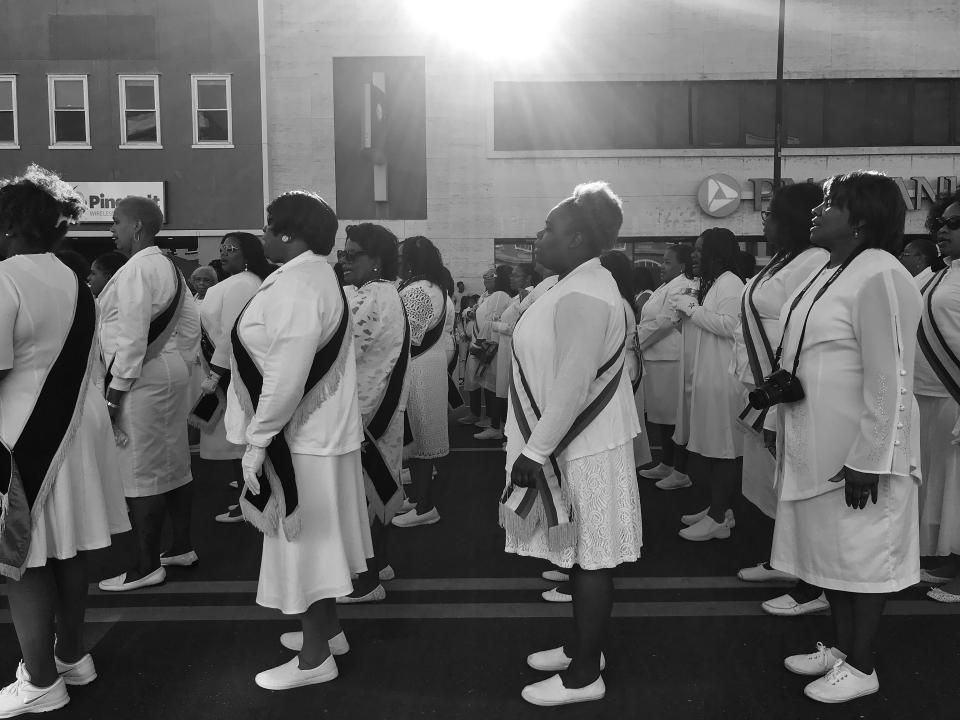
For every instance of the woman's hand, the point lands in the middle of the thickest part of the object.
(114, 401)
(687, 305)
(770, 441)
(251, 464)
(525, 471)
(210, 383)
(859, 487)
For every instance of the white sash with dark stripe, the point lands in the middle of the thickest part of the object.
(760, 353)
(942, 358)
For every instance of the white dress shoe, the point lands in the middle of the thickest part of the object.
(816, 663)
(674, 481)
(489, 434)
(82, 672)
(693, 519)
(187, 559)
(22, 696)
(555, 595)
(294, 641)
(843, 683)
(289, 675)
(656, 473)
(375, 595)
(554, 576)
(234, 484)
(387, 573)
(927, 577)
(786, 605)
(120, 584)
(230, 516)
(552, 692)
(942, 596)
(762, 573)
(706, 529)
(413, 518)
(555, 660)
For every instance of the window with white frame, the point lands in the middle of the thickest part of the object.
(69, 110)
(9, 137)
(139, 111)
(212, 111)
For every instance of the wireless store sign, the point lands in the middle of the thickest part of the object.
(102, 197)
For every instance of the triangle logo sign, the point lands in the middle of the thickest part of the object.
(719, 195)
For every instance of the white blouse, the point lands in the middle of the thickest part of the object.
(378, 324)
(561, 341)
(295, 312)
(946, 313)
(220, 309)
(657, 333)
(856, 368)
(139, 291)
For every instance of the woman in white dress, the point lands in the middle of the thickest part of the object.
(937, 386)
(243, 261)
(658, 338)
(57, 444)
(786, 228)
(293, 401)
(716, 397)
(522, 280)
(150, 336)
(382, 340)
(485, 369)
(425, 301)
(471, 380)
(848, 449)
(571, 495)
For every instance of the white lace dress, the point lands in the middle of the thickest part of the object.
(426, 306)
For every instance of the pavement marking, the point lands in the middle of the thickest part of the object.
(468, 611)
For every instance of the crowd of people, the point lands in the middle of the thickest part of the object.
(822, 389)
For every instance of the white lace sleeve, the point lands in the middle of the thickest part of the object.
(366, 321)
(419, 308)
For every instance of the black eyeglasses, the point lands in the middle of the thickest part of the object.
(951, 223)
(350, 255)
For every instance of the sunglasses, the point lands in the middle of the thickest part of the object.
(229, 248)
(349, 255)
(952, 223)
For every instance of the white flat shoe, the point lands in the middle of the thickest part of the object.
(289, 675)
(761, 573)
(842, 684)
(489, 434)
(294, 641)
(817, 663)
(413, 518)
(22, 696)
(555, 660)
(82, 672)
(675, 481)
(693, 519)
(120, 584)
(187, 559)
(387, 573)
(556, 596)
(927, 577)
(554, 576)
(706, 529)
(658, 472)
(552, 692)
(942, 596)
(787, 606)
(375, 595)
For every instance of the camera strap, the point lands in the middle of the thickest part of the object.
(799, 297)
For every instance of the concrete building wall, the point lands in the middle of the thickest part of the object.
(476, 195)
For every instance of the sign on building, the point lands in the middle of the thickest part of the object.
(102, 197)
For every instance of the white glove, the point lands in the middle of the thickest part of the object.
(209, 384)
(251, 465)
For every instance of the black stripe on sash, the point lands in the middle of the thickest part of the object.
(210, 406)
(430, 338)
(949, 382)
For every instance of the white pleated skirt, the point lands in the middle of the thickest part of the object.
(829, 545)
(334, 541)
(606, 505)
(86, 504)
(759, 474)
(661, 379)
(940, 464)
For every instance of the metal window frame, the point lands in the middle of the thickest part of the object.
(51, 111)
(125, 143)
(194, 84)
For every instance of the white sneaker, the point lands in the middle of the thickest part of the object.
(489, 434)
(817, 663)
(552, 692)
(844, 682)
(555, 660)
(413, 518)
(375, 595)
(289, 675)
(656, 473)
(555, 576)
(187, 559)
(674, 481)
(230, 516)
(234, 484)
(470, 419)
(762, 573)
(22, 696)
(556, 596)
(120, 584)
(697, 517)
(294, 641)
(706, 529)
(786, 605)
(82, 672)
(387, 573)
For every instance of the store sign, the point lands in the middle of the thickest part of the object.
(102, 197)
(720, 195)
